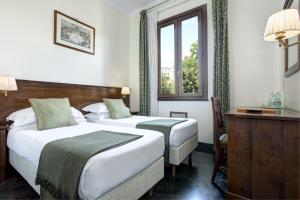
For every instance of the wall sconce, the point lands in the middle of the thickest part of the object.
(283, 25)
(125, 91)
(7, 84)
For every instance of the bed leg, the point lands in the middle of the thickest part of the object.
(173, 170)
(150, 193)
(190, 160)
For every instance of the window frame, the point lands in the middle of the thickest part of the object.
(176, 20)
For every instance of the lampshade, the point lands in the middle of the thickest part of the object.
(125, 91)
(8, 83)
(282, 25)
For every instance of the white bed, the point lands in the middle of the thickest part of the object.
(183, 136)
(106, 174)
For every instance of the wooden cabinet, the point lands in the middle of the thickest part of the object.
(264, 155)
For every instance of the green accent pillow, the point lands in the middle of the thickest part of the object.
(52, 113)
(117, 108)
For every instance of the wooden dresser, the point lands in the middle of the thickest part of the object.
(264, 155)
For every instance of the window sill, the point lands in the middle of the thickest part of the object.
(182, 99)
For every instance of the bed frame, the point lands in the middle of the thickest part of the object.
(178, 154)
(79, 96)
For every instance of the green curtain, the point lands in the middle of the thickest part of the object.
(144, 66)
(221, 54)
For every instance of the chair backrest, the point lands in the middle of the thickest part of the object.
(218, 118)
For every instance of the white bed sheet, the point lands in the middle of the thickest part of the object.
(179, 133)
(103, 171)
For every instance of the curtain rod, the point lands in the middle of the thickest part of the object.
(158, 5)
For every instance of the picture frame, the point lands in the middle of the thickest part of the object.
(73, 34)
(292, 54)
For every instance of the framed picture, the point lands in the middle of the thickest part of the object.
(73, 34)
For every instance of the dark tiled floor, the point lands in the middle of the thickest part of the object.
(191, 183)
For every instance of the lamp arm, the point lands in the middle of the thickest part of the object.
(282, 43)
(293, 44)
(285, 45)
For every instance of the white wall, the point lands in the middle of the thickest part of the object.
(292, 91)
(254, 64)
(27, 50)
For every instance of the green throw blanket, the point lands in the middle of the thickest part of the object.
(164, 126)
(62, 161)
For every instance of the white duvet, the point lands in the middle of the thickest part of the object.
(179, 133)
(103, 171)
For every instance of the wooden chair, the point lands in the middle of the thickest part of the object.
(220, 138)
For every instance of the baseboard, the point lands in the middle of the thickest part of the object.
(205, 148)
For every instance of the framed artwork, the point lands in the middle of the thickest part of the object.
(73, 34)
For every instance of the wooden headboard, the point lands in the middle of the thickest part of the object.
(79, 95)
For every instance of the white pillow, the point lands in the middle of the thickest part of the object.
(27, 116)
(23, 127)
(22, 117)
(96, 108)
(99, 116)
(78, 116)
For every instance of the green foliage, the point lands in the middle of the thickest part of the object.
(167, 87)
(190, 74)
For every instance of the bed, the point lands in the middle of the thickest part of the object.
(130, 180)
(134, 172)
(183, 136)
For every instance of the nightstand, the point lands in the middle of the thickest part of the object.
(3, 133)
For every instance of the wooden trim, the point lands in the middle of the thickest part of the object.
(79, 95)
(201, 12)
(281, 115)
(183, 98)
(3, 152)
(56, 12)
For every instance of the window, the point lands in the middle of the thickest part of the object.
(182, 56)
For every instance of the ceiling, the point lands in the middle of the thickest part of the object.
(129, 6)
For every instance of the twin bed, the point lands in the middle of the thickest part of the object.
(183, 136)
(124, 172)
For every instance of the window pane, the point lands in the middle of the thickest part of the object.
(167, 49)
(190, 83)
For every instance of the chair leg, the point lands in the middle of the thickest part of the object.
(215, 172)
(219, 158)
(150, 193)
(190, 160)
(173, 170)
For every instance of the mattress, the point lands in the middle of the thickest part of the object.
(103, 171)
(179, 133)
